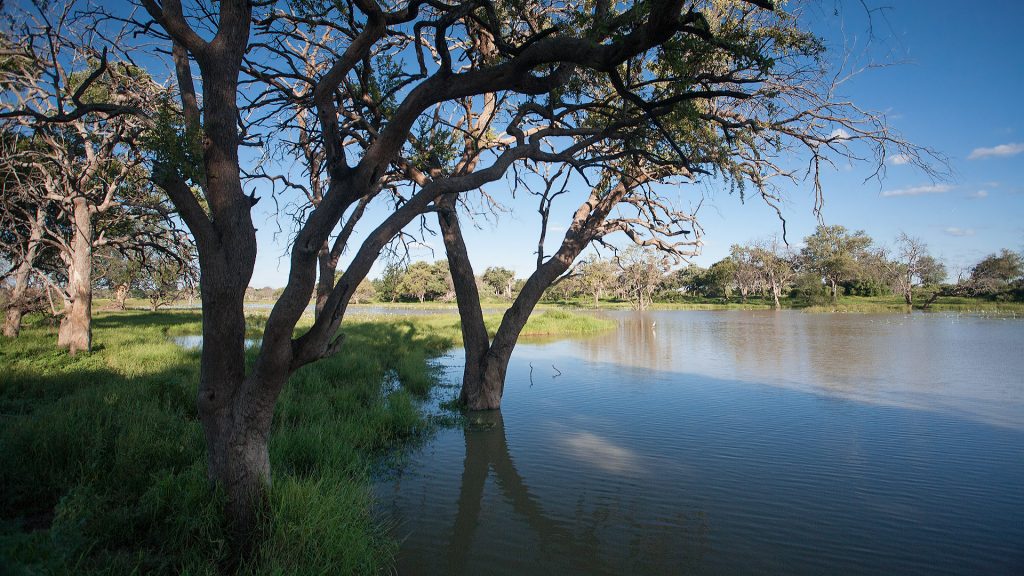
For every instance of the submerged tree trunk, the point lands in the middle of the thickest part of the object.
(483, 382)
(75, 331)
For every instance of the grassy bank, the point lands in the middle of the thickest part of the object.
(103, 454)
(104, 469)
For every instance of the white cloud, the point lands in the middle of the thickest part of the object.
(839, 134)
(980, 194)
(959, 232)
(918, 190)
(899, 160)
(1010, 149)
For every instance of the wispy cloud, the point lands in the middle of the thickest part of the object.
(918, 190)
(899, 160)
(959, 232)
(979, 195)
(1011, 149)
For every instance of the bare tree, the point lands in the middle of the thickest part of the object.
(774, 263)
(913, 264)
(63, 95)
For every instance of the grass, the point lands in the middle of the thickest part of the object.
(104, 460)
(104, 469)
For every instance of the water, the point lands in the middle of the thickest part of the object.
(733, 443)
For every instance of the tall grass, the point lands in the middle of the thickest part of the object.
(104, 469)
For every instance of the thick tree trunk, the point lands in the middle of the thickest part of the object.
(775, 296)
(475, 341)
(75, 331)
(834, 291)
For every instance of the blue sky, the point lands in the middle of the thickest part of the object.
(956, 74)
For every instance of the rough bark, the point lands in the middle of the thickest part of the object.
(16, 308)
(75, 332)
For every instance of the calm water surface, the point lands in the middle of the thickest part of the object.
(733, 443)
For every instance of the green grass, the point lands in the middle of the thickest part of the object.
(104, 468)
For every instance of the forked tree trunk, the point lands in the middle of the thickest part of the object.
(75, 331)
(483, 380)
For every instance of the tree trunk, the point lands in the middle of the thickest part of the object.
(16, 308)
(483, 382)
(325, 277)
(75, 331)
(121, 295)
(775, 295)
(834, 289)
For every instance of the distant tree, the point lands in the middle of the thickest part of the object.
(834, 254)
(686, 279)
(641, 270)
(913, 266)
(365, 292)
(387, 285)
(163, 278)
(597, 277)
(420, 281)
(717, 281)
(996, 273)
(774, 266)
(745, 273)
(500, 280)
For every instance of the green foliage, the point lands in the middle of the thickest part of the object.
(500, 280)
(172, 145)
(999, 276)
(424, 281)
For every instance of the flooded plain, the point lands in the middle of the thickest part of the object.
(738, 442)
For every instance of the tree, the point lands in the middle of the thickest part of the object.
(597, 276)
(422, 280)
(386, 287)
(774, 266)
(365, 292)
(834, 254)
(745, 273)
(717, 281)
(85, 157)
(996, 272)
(640, 274)
(915, 265)
(500, 280)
